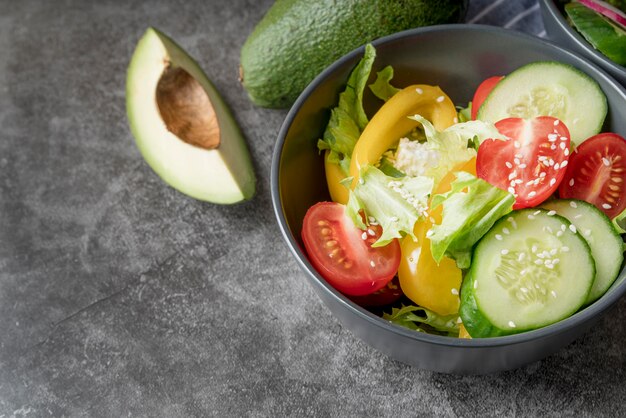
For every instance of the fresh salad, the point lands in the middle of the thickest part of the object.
(489, 220)
(601, 23)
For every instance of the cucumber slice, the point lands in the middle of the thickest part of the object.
(605, 243)
(530, 270)
(605, 36)
(549, 88)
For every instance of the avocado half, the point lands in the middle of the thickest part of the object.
(181, 125)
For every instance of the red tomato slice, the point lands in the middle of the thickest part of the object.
(531, 163)
(343, 253)
(382, 297)
(597, 173)
(482, 92)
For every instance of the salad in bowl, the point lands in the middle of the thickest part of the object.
(490, 220)
(391, 172)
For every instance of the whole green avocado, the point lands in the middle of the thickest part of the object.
(297, 39)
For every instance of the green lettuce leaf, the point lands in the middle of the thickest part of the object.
(348, 119)
(467, 216)
(465, 113)
(395, 203)
(452, 143)
(382, 87)
(415, 317)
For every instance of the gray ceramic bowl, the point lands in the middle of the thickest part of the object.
(563, 34)
(457, 58)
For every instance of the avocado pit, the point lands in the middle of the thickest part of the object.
(186, 108)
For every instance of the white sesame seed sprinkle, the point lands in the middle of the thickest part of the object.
(552, 137)
(573, 204)
(394, 219)
(511, 324)
(606, 206)
(564, 164)
(361, 181)
(564, 138)
(429, 233)
(572, 228)
(506, 230)
(562, 145)
(556, 167)
(531, 194)
(523, 165)
(606, 161)
(504, 252)
(512, 175)
(364, 236)
(511, 190)
(553, 293)
(552, 181)
(516, 161)
(440, 99)
(537, 212)
(559, 233)
(371, 232)
(566, 152)
(538, 262)
(564, 249)
(516, 144)
(475, 284)
(563, 227)
(587, 232)
(551, 213)
(499, 237)
(552, 147)
(556, 122)
(521, 258)
(454, 291)
(508, 165)
(419, 91)
(372, 263)
(542, 174)
(578, 216)
(571, 182)
(523, 289)
(533, 249)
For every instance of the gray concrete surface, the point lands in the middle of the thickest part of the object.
(121, 297)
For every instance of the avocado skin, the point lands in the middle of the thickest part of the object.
(297, 39)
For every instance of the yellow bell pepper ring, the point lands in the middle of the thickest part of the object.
(334, 176)
(392, 121)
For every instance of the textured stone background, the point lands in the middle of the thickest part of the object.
(120, 296)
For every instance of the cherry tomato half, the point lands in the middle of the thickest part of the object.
(343, 254)
(597, 173)
(531, 163)
(482, 92)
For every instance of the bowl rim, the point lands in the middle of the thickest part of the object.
(581, 317)
(581, 42)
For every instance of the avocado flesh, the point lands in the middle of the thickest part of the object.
(205, 156)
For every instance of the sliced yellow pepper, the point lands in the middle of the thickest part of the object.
(428, 284)
(387, 126)
(463, 332)
(392, 121)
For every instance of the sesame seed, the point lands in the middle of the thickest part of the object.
(571, 182)
(419, 91)
(429, 233)
(553, 251)
(556, 122)
(499, 237)
(511, 324)
(361, 181)
(512, 175)
(372, 263)
(371, 219)
(516, 161)
(605, 161)
(553, 293)
(531, 194)
(564, 138)
(516, 144)
(572, 228)
(371, 232)
(552, 213)
(563, 227)
(459, 320)
(562, 145)
(533, 248)
(587, 232)
(506, 230)
(552, 147)
(556, 166)
(523, 289)
(522, 272)
(559, 233)
(556, 261)
(394, 219)
(523, 165)
(508, 164)
(511, 190)
(440, 99)
(475, 284)
(538, 262)
(578, 216)
(573, 204)
(552, 181)
(547, 263)
(521, 257)
(542, 174)
(537, 212)
(564, 164)
(566, 152)
(364, 236)
(606, 206)
(454, 291)
(564, 249)
(504, 252)
(519, 181)
(552, 137)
